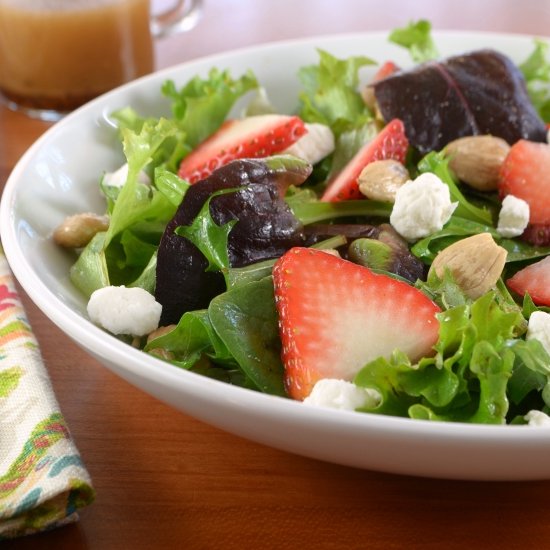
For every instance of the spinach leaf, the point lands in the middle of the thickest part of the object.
(192, 338)
(245, 319)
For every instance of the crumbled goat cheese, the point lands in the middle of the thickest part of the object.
(513, 217)
(123, 310)
(537, 418)
(340, 394)
(118, 177)
(314, 146)
(539, 328)
(422, 207)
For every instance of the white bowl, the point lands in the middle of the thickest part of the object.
(57, 177)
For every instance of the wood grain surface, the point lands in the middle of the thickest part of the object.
(165, 480)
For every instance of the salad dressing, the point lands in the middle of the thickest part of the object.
(58, 55)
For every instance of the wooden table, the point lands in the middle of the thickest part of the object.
(165, 480)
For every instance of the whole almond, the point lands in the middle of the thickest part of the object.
(476, 263)
(476, 160)
(380, 180)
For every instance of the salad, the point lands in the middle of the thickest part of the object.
(384, 248)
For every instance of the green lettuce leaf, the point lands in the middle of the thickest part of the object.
(417, 38)
(245, 319)
(202, 105)
(532, 370)
(444, 291)
(137, 201)
(138, 214)
(170, 185)
(330, 93)
(190, 339)
(169, 153)
(536, 70)
(90, 270)
(209, 237)
(147, 279)
(316, 211)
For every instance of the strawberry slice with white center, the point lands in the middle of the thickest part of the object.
(252, 137)
(535, 280)
(335, 316)
(390, 143)
(525, 174)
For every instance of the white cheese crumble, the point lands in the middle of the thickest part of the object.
(539, 328)
(313, 146)
(123, 310)
(537, 419)
(513, 217)
(340, 394)
(422, 207)
(118, 177)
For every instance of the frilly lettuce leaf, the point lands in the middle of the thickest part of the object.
(202, 105)
(199, 108)
(137, 213)
(170, 185)
(137, 201)
(417, 38)
(536, 70)
(330, 93)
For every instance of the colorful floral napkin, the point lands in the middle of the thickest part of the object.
(42, 479)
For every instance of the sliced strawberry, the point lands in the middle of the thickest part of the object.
(525, 174)
(535, 280)
(386, 69)
(390, 143)
(335, 316)
(252, 137)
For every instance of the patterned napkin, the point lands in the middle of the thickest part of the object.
(42, 479)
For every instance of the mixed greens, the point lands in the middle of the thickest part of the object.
(483, 369)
